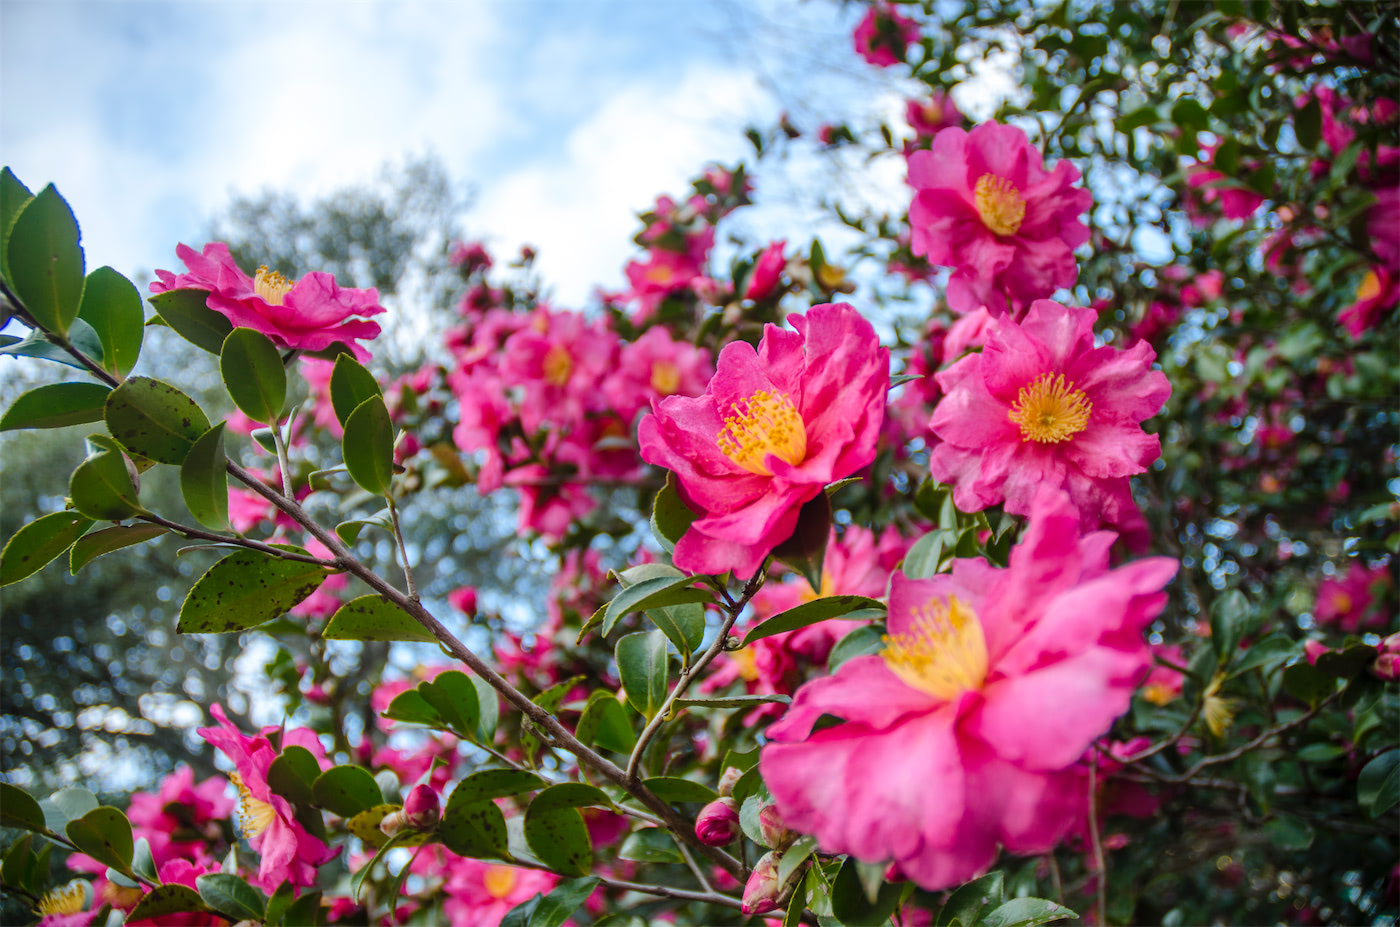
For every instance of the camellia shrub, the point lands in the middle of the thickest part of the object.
(1023, 555)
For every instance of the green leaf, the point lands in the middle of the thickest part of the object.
(1229, 621)
(38, 543)
(349, 531)
(374, 618)
(490, 704)
(808, 613)
(604, 723)
(733, 701)
(456, 700)
(368, 446)
(1288, 832)
(490, 784)
(794, 856)
(926, 555)
(683, 625)
(555, 830)
(307, 909)
(66, 805)
(671, 518)
(805, 549)
(279, 902)
(104, 833)
(167, 900)
(142, 862)
(677, 789)
(858, 643)
(228, 894)
(351, 384)
(1307, 124)
(966, 905)
(19, 861)
(1378, 786)
(1304, 681)
(36, 344)
(346, 790)
(154, 419)
(642, 665)
(1275, 648)
(111, 305)
(292, 775)
(91, 546)
(411, 707)
(253, 374)
(849, 904)
(553, 909)
(14, 196)
(473, 826)
(56, 405)
(188, 314)
(1025, 912)
(45, 261)
(204, 479)
(550, 700)
(650, 845)
(653, 594)
(103, 487)
(19, 809)
(365, 825)
(1189, 112)
(245, 590)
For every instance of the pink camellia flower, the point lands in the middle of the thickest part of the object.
(767, 271)
(1041, 406)
(1378, 294)
(288, 851)
(1351, 602)
(481, 893)
(985, 205)
(929, 117)
(310, 314)
(773, 428)
(1211, 186)
(992, 684)
(883, 37)
(655, 366)
(718, 822)
(181, 817)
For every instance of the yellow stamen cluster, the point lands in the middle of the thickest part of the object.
(1218, 712)
(665, 377)
(499, 880)
(1050, 410)
(944, 655)
(271, 285)
(746, 662)
(763, 424)
(558, 366)
(66, 899)
(253, 815)
(1370, 286)
(1000, 204)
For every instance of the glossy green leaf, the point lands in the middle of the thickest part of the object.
(19, 809)
(14, 196)
(374, 618)
(279, 902)
(253, 374)
(103, 487)
(794, 856)
(45, 261)
(805, 550)
(1378, 786)
(293, 773)
(550, 700)
(554, 829)
(411, 707)
(733, 701)
(228, 894)
(553, 909)
(19, 861)
(305, 910)
(642, 665)
(188, 314)
(204, 479)
(68, 804)
(809, 613)
(104, 833)
(1307, 124)
(490, 784)
(142, 862)
(490, 705)
(1265, 653)
(677, 789)
(670, 516)
(368, 446)
(351, 384)
(926, 555)
(858, 643)
(154, 419)
(967, 903)
(1026, 912)
(471, 825)
(1229, 620)
(650, 845)
(604, 723)
(97, 543)
(346, 790)
(111, 305)
(245, 590)
(56, 405)
(38, 543)
(456, 700)
(657, 593)
(167, 900)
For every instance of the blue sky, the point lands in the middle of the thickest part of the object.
(564, 116)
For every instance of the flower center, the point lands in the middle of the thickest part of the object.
(558, 366)
(66, 899)
(253, 815)
(663, 274)
(761, 425)
(946, 653)
(1370, 286)
(746, 662)
(499, 880)
(999, 204)
(1342, 603)
(1050, 410)
(665, 377)
(271, 285)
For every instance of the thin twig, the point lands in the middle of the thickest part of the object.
(193, 532)
(696, 870)
(403, 549)
(1098, 844)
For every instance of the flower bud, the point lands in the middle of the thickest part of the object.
(718, 822)
(775, 832)
(762, 890)
(421, 808)
(393, 823)
(1387, 665)
(728, 780)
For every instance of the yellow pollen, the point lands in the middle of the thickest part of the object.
(1050, 410)
(828, 588)
(499, 880)
(1341, 603)
(558, 366)
(660, 273)
(271, 285)
(1218, 712)
(1370, 286)
(999, 204)
(1158, 694)
(253, 815)
(66, 899)
(746, 661)
(946, 653)
(665, 377)
(761, 425)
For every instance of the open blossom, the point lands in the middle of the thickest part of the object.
(929, 117)
(1378, 294)
(773, 428)
(883, 36)
(1211, 186)
(310, 314)
(1041, 406)
(481, 893)
(963, 733)
(266, 819)
(985, 205)
(1351, 601)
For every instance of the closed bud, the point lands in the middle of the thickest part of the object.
(718, 822)
(762, 890)
(775, 832)
(421, 809)
(393, 823)
(728, 780)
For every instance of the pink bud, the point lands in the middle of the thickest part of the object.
(463, 599)
(775, 832)
(728, 780)
(1387, 665)
(718, 822)
(421, 809)
(1313, 649)
(762, 890)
